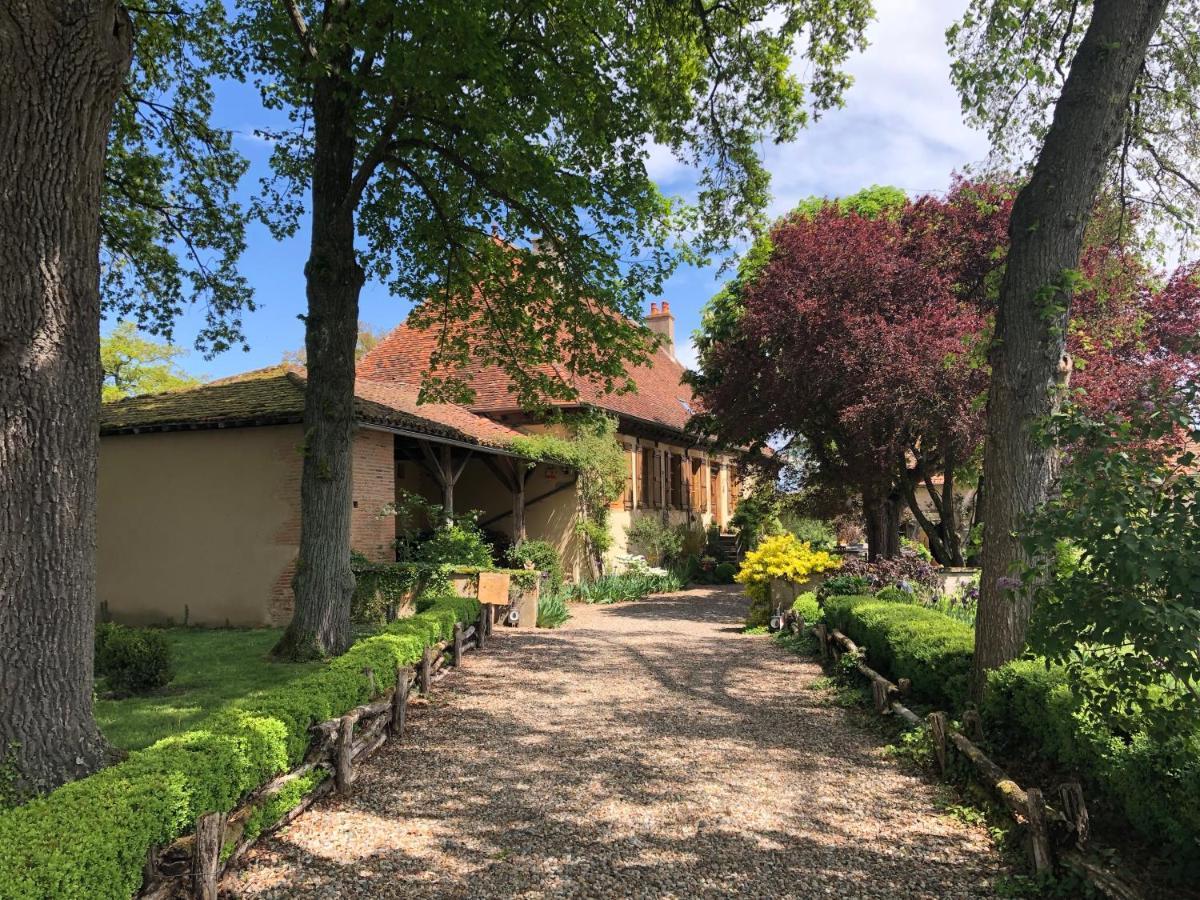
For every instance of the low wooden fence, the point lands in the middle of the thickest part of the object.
(193, 865)
(1058, 833)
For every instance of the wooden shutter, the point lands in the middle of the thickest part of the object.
(647, 495)
(630, 470)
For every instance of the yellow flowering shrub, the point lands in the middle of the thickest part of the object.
(780, 556)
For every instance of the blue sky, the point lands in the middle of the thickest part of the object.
(901, 125)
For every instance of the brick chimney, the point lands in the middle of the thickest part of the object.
(662, 322)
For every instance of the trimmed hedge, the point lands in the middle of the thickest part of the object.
(1152, 782)
(89, 839)
(908, 641)
(806, 606)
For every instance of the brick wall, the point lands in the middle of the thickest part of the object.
(374, 488)
(370, 534)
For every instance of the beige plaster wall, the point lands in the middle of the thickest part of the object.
(202, 521)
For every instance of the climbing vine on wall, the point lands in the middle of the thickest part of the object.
(590, 448)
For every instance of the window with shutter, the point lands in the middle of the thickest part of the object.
(676, 481)
(647, 496)
(630, 471)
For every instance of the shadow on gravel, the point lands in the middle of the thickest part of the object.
(692, 782)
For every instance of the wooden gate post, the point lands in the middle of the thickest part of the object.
(481, 627)
(937, 729)
(426, 674)
(400, 702)
(345, 745)
(823, 640)
(206, 855)
(1036, 811)
(458, 645)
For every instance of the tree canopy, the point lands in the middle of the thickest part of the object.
(134, 364)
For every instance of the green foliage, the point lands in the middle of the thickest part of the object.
(843, 586)
(213, 668)
(457, 543)
(724, 573)
(542, 556)
(630, 585)
(566, 171)
(280, 803)
(919, 549)
(817, 532)
(1151, 780)
(171, 227)
(381, 589)
(132, 660)
(552, 611)
(904, 640)
(1116, 577)
(1010, 60)
(88, 839)
(593, 452)
(874, 202)
(915, 747)
(757, 515)
(659, 542)
(807, 607)
(134, 364)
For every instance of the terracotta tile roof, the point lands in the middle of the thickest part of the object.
(661, 397)
(275, 396)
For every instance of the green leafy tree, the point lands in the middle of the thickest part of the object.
(1116, 562)
(1109, 94)
(133, 364)
(487, 160)
(115, 194)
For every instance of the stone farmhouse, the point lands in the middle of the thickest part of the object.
(199, 490)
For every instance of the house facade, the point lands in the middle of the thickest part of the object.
(199, 490)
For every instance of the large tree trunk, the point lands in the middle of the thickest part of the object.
(881, 512)
(61, 67)
(324, 583)
(1029, 365)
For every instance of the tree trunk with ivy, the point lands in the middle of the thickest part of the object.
(1028, 356)
(62, 65)
(324, 582)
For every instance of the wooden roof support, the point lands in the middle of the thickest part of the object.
(445, 471)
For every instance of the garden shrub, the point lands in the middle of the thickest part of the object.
(724, 573)
(542, 556)
(552, 611)
(893, 593)
(89, 838)
(904, 640)
(817, 532)
(1150, 779)
(843, 586)
(134, 660)
(659, 542)
(807, 608)
(906, 570)
(779, 556)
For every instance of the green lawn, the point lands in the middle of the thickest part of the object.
(212, 667)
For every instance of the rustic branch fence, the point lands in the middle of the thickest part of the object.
(193, 865)
(1055, 834)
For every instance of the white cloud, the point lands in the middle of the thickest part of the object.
(901, 124)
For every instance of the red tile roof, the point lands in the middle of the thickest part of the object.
(660, 397)
(275, 396)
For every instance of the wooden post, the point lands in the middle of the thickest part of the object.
(343, 773)
(1039, 838)
(206, 855)
(905, 686)
(880, 693)
(400, 702)
(518, 497)
(426, 673)
(481, 627)
(458, 645)
(937, 729)
(973, 725)
(1075, 811)
(823, 640)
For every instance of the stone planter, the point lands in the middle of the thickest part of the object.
(955, 580)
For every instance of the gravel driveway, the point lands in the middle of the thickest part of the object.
(644, 750)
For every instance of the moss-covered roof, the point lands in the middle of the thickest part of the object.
(275, 396)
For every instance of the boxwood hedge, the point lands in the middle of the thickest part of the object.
(1152, 782)
(89, 839)
(904, 640)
